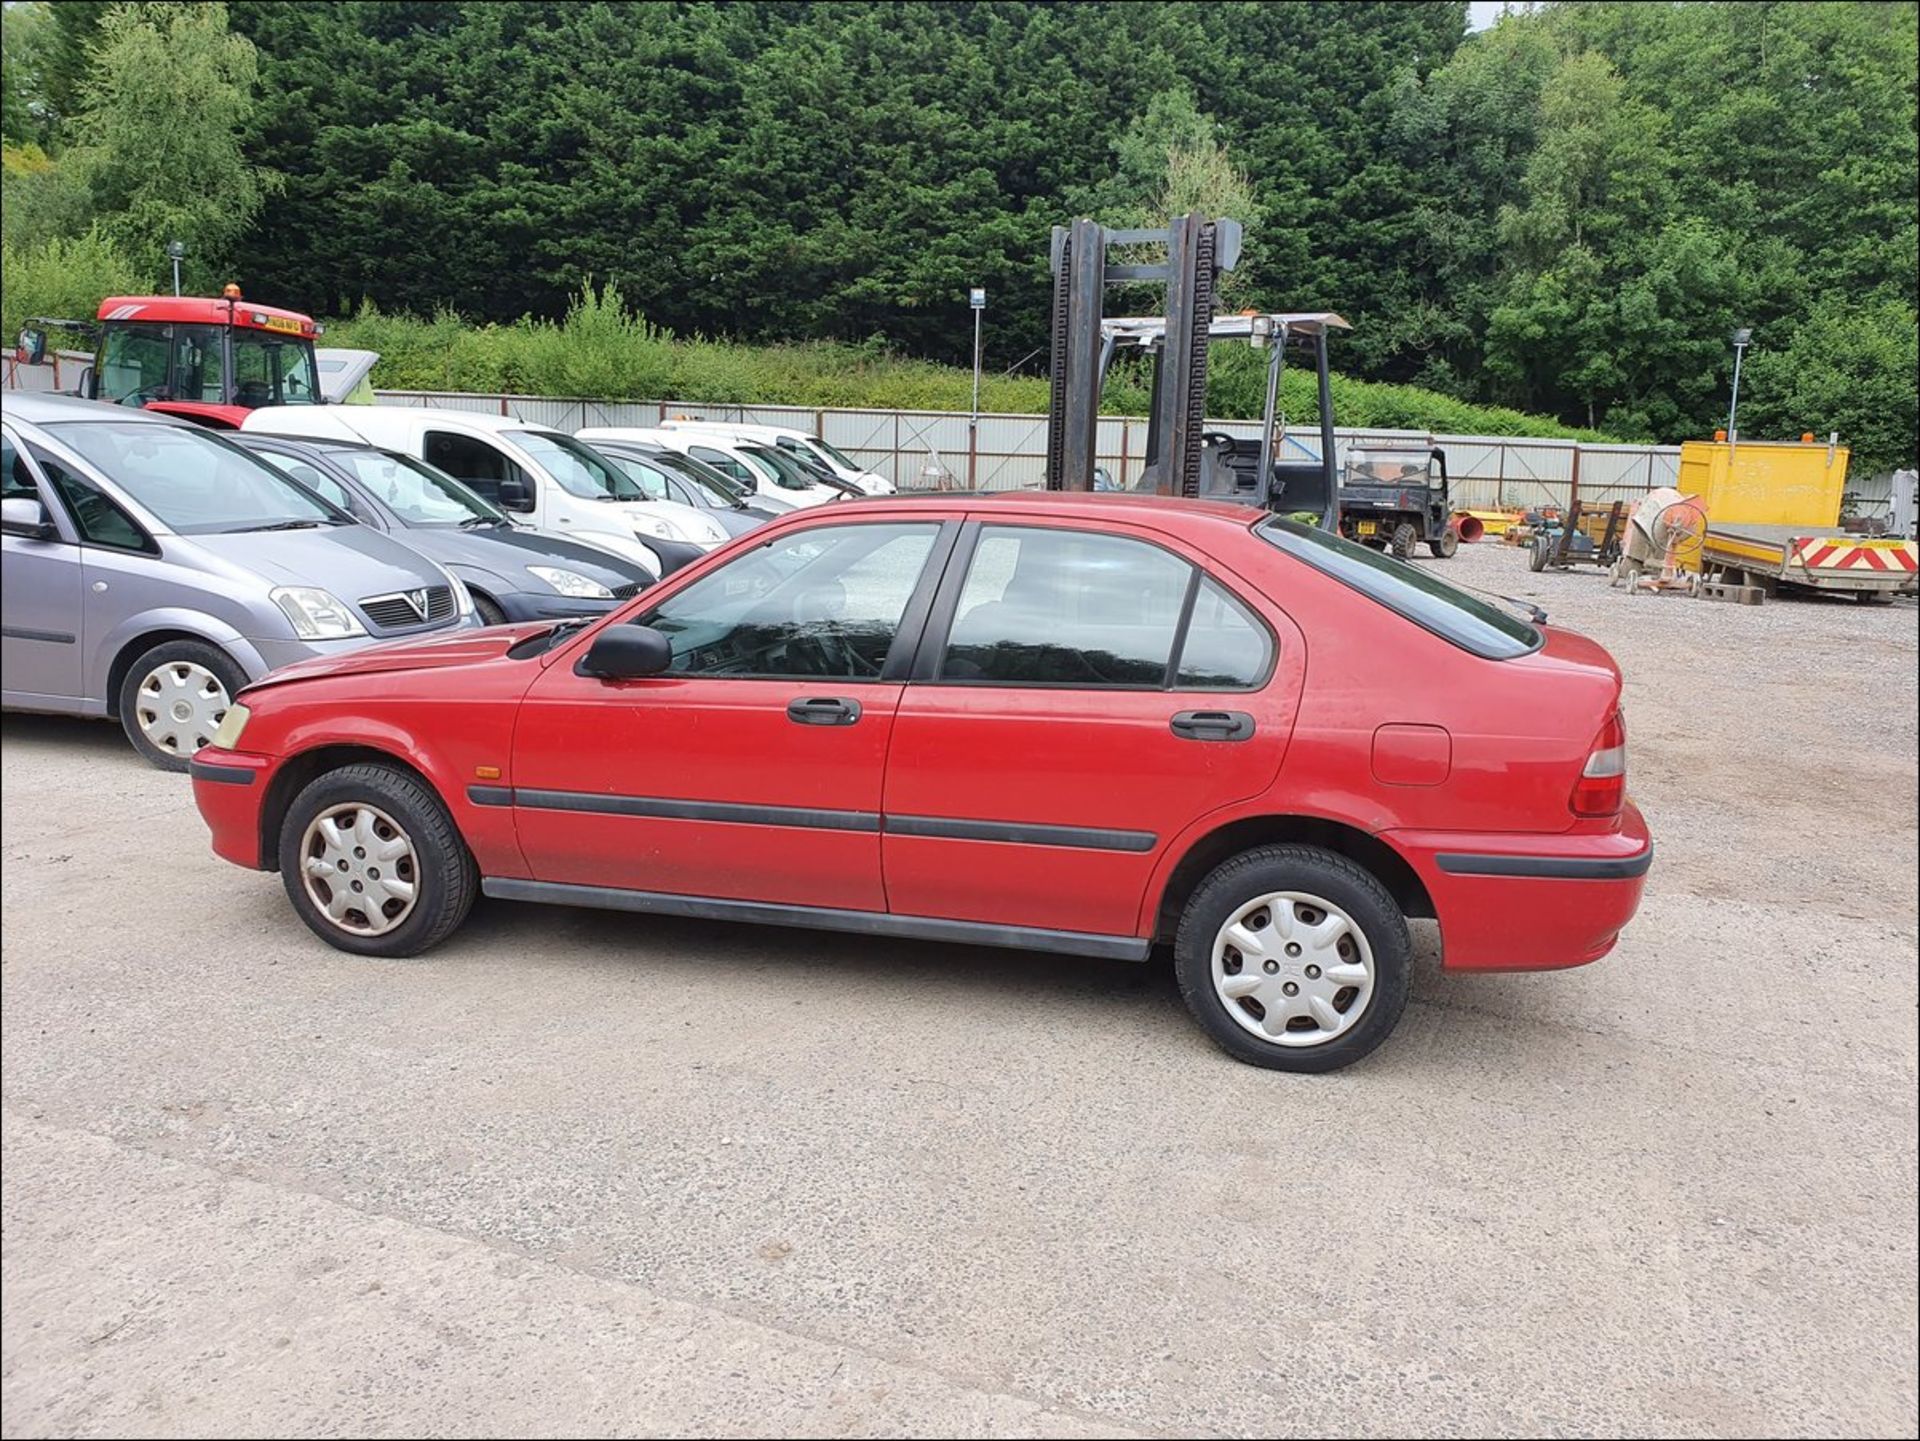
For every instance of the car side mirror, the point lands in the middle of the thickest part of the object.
(32, 348)
(22, 515)
(626, 652)
(514, 495)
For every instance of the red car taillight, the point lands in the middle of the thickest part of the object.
(1602, 787)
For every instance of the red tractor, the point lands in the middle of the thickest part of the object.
(209, 361)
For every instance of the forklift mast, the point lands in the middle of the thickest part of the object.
(1198, 251)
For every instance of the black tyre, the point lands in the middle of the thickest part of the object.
(1405, 538)
(173, 697)
(1541, 549)
(1445, 544)
(373, 864)
(489, 612)
(1293, 958)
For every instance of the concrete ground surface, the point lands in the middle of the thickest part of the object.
(582, 1173)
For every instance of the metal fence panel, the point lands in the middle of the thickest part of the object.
(924, 447)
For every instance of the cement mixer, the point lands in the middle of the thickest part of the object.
(1664, 529)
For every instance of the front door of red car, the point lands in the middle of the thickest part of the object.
(752, 768)
(1093, 694)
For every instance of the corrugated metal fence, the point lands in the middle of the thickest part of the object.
(916, 448)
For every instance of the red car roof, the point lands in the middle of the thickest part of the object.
(1169, 512)
(203, 310)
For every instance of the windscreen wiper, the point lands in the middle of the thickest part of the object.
(474, 522)
(289, 525)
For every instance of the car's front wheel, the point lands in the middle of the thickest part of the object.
(173, 698)
(373, 864)
(1294, 958)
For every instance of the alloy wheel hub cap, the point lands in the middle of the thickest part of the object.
(1293, 969)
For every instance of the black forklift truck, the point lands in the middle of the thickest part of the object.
(1393, 496)
(1182, 456)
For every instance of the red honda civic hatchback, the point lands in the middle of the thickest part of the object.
(1080, 724)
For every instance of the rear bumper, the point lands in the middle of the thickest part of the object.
(1510, 902)
(229, 787)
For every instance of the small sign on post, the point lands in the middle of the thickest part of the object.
(977, 297)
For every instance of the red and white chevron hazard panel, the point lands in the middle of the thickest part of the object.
(1846, 553)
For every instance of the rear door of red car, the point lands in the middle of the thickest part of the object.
(1053, 743)
(752, 770)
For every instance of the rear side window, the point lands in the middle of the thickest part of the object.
(1407, 590)
(464, 458)
(1049, 607)
(1224, 648)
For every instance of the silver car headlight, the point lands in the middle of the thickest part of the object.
(315, 614)
(570, 582)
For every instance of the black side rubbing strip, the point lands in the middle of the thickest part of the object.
(1019, 833)
(223, 775)
(1563, 868)
(873, 923)
(56, 637)
(490, 795)
(678, 810)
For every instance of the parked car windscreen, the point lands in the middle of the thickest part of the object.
(579, 470)
(788, 473)
(1419, 595)
(193, 481)
(417, 493)
(835, 456)
(724, 489)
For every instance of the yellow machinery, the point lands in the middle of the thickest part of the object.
(1763, 482)
(1773, 519)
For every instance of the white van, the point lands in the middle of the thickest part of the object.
(770, 474)
(543, 477)
(788, 437)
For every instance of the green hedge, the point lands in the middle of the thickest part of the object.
(602, 350)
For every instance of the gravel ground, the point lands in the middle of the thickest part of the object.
(586, 1173)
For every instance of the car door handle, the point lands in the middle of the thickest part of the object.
(1212, 725)
(823, 711)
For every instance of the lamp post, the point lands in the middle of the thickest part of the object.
(176, 252)
(1741, 338)
(977, 299)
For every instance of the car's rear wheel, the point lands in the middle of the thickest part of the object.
(1294, 958)
(173, 698)
(373, 864)
(1405, 538)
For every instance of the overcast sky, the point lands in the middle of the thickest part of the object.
(1482, 13)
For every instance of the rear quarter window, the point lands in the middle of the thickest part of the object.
(1418, 595)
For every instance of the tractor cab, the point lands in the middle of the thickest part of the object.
(209, 361)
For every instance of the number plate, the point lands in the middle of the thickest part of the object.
(281, 323)
(1366, 527)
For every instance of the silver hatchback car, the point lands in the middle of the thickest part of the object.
(152, 569)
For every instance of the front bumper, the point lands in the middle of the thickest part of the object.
(229, 787)
(1509, 902)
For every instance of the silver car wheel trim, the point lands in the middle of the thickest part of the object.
(359, 869)
(1293, 969)
(179, 706)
